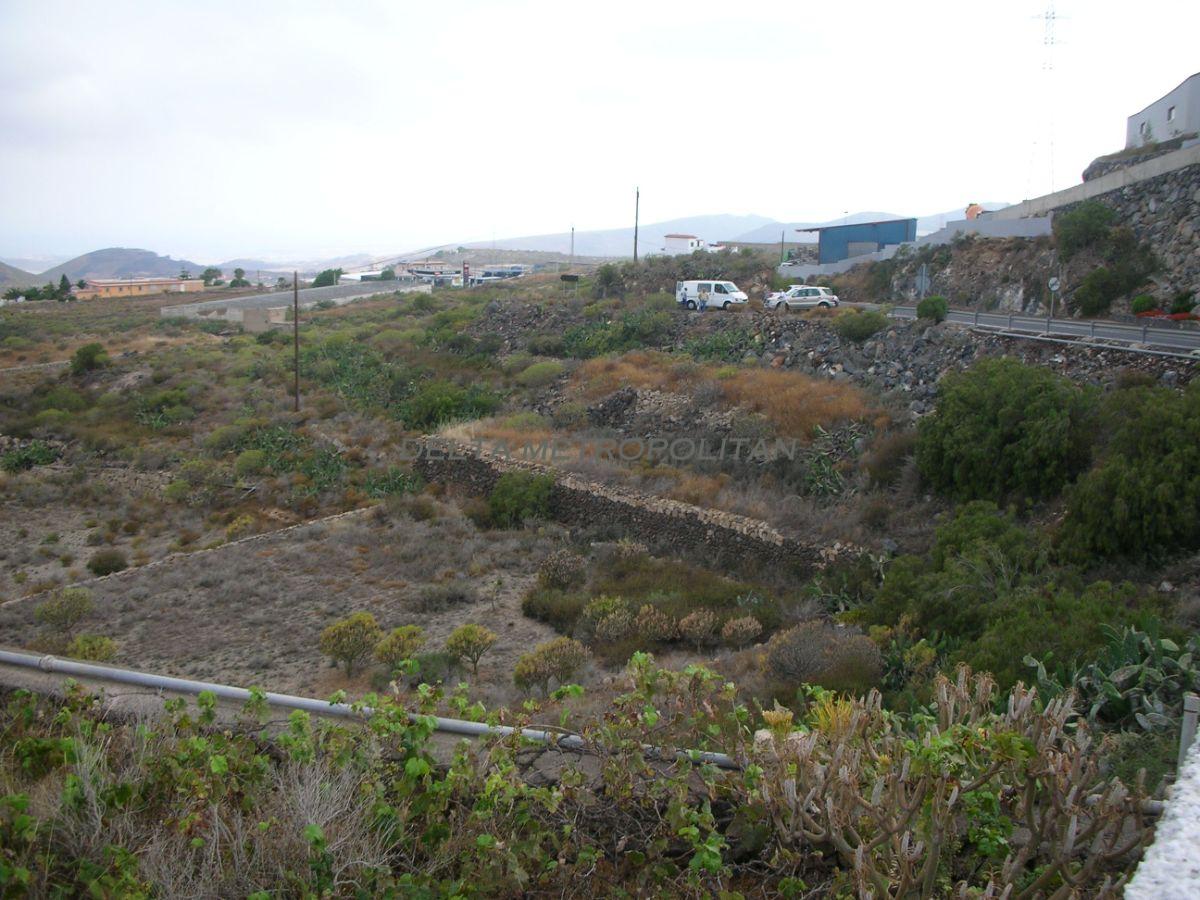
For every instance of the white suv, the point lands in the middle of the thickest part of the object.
(801, 296)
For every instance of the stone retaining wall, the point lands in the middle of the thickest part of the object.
(1163, 211)
(666, 525)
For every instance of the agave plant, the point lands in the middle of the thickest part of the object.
(1140, 679)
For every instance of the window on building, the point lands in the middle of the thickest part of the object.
(1142, 128)
(1170, 114)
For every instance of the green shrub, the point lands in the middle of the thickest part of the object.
(35, 453)
(470, 642)
(741, 631)
(934, 308)
(224, 438)
(91, 648)
(562, 570)
(177, 491)
(390, 482)
(250, 462)
(402, 643)
(540, 374)
(654, 626)
(886, 459)
(631, 331)
(63, 397)
(557, 660)
(1142, 303)
(1096, 293)
(88, 358)
(987, 594)
(1183, 302)
(1087, 225)
(858, 325)
(601, 609)
(446, 595)
(699, 628)
(432, 668)
(518, 497)
(66, 609)
(556, 608)
(351, 640)
(1143, 500)
(105, 562)
(546, 345)
(817, 652)
(437, 403)
(1003, 429)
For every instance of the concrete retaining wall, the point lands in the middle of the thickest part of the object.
(666, 525)
(1113, 181)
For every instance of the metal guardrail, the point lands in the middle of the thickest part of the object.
(324, 707)
(1173, 337)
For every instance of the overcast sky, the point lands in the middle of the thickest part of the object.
(299, 129)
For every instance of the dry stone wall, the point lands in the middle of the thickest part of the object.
(665, 525)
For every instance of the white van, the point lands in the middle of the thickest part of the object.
(705, 294)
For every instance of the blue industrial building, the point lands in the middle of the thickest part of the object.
(838, 242)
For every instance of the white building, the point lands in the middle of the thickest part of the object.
(1168, 117)
(682, 244)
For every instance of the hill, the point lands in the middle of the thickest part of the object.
(34, 264)
(619, 241)
(304, 266)
(11, 276)
(120, 262)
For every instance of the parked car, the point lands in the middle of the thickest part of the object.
(801, 296)
(705, 294)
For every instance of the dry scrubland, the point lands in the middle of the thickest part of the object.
(252, 612)
(1032, 527)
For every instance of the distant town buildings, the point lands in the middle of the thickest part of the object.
(103, 288)
(1171, 116)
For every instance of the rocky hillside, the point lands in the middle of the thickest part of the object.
(120, 262)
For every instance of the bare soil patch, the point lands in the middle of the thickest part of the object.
(251, 613)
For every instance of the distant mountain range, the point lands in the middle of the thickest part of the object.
(619, 241)
(714, 229)
(122, 262)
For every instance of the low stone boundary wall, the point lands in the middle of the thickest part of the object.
(734, 540)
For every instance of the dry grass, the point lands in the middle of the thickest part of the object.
(795, 404)
(643, 369)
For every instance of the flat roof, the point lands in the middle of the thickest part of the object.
(856, 224)
(1166, 95)
(682, 236)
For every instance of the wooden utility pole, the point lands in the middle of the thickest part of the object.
(637, 202)
(296, 338)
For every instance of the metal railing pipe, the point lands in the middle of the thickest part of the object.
(78, 669)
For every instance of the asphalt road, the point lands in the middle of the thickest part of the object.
(308, 297)
(1167, 337)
